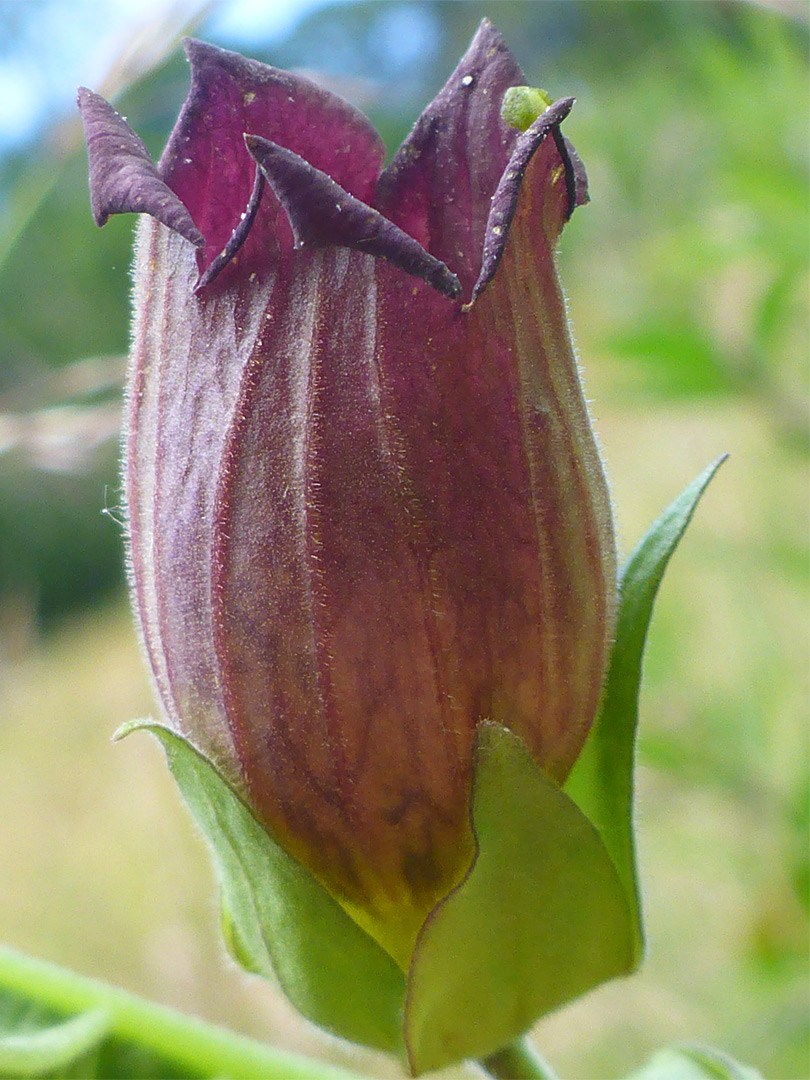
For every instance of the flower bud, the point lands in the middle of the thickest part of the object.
(366, 510)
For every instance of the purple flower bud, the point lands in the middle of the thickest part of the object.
(366, 509)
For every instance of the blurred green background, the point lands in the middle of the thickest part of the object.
(687, 278)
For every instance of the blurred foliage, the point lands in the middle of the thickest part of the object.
(37, 1041)
(688, 282)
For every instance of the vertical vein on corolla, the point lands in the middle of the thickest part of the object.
(151, 340)
(372, 385)
(416, 543)
(169, 469)
(221, 533)
(584, 468)
(584, 465)
(561, 399)
(306, 487)
(503, 305)
(137, 495)
(531, 356)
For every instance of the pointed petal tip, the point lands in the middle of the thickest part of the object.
(210, 63)
(562, 107)
(321, 213)
(237, 237)
(194, 47)
(439, 183)
(199, 52)
(505, 199)
(205, 162)
(488, 46)
(487, 32)
(123, 177)
(254, 143)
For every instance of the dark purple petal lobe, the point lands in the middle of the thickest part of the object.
(123, 177)
(439, 184)
(207, 164)
(505, 199)
(323, 214)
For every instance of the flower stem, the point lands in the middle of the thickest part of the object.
(204, 1049)
(520, 1061)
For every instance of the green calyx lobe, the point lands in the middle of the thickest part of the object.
(278, 921)
(548, 910)
(540, 918)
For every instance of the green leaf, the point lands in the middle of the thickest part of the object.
(51, 1026)
(48, 1049)
(540, 918)
(601, 782)
(279, 921)
(694, 1063)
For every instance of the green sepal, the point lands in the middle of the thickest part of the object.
(694, 1063)
(279, 921)
(49, 1048)
(601, 782)
(540, 918)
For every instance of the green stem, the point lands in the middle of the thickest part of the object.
(520, 1061)
(203, 1049)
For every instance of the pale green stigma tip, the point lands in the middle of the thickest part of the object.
(523, 104)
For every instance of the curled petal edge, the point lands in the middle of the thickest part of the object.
(323, 214)
(123, 177)
(505, 199)
(238, 236)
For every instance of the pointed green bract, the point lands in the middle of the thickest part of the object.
(279, 921)
(601, 782)
(540, 918)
